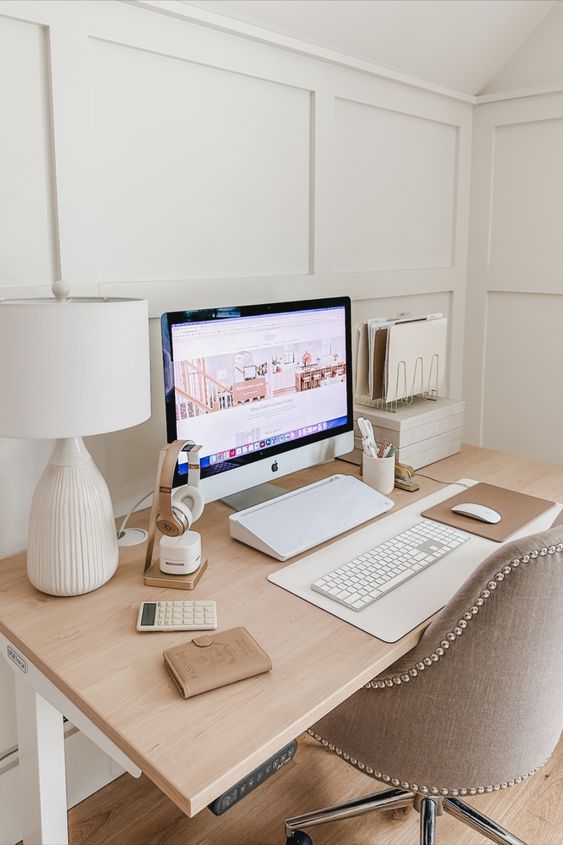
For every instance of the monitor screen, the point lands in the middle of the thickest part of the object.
(250, 382)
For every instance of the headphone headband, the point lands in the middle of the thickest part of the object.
(166, 482)
(171, 459)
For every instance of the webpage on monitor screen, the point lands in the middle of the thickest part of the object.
(248, 383)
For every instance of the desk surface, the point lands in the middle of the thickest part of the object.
(193, 750)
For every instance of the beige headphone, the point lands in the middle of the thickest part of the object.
(178, 511)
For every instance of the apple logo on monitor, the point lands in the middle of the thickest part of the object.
(275, 466)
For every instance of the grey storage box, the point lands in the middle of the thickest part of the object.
(422, 433)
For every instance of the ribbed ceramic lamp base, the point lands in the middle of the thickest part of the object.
(72, 542)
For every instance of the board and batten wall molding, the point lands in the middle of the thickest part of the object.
(223, 23)
(520, 93)
(514, 343)
(145, 154)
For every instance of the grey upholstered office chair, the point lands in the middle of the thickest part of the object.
(475, 707)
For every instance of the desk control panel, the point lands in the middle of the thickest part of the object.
(256, 778)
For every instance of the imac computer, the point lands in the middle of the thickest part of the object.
(265, 389)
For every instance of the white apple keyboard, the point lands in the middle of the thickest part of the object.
(304, 518)
(360, 582)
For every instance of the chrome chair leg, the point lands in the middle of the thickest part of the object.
(486, 826)
(428, 813)
(388, 799)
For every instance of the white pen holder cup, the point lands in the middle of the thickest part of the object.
(379, 473)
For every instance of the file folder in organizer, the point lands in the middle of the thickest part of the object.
(411, 363)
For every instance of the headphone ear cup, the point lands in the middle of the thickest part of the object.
(183, 513)
(183, 520)
(192, 498)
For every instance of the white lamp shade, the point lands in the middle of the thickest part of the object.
(73, 368)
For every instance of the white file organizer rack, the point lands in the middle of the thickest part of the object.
(420, 387)
(410, 372)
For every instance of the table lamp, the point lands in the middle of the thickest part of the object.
(71, 367)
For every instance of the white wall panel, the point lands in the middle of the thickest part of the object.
(199, 172)
(527, 200)
(394, 189)
(524, 354)
(27, 229)
(513, 346)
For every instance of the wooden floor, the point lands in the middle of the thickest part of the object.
(134, 812)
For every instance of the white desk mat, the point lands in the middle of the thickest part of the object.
(404, 608)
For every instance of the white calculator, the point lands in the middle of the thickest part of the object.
(177, 616)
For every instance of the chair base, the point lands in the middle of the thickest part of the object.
(429, 808)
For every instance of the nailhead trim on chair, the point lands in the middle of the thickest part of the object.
(457, 631)
(421, 665)
(414, 787)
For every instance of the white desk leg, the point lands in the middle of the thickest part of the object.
(42, 768)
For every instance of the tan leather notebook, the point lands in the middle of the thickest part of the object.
(215, 659)
(516, 510)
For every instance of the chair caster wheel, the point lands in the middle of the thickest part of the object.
(299, 838)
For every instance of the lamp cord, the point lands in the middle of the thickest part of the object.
(121, 530)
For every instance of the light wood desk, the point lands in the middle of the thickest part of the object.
(84, 656)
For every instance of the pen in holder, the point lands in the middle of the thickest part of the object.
(378, 468)
(379, 473)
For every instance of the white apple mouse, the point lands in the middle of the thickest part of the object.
(475, 511)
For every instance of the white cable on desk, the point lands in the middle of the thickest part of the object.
(439, 481)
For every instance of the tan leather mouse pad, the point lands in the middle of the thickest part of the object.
(516, 510)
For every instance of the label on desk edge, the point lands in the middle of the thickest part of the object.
(16, 658)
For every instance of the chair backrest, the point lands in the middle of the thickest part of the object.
(478, 703)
